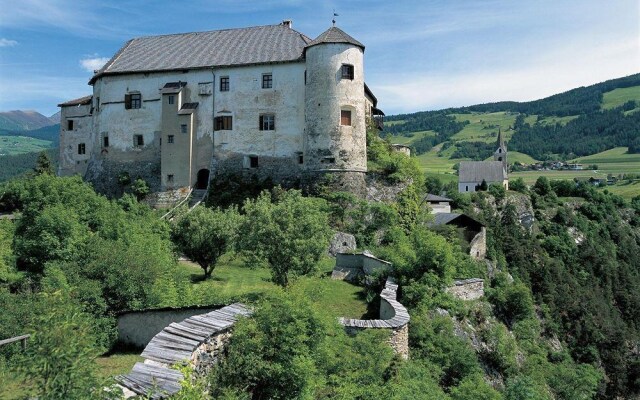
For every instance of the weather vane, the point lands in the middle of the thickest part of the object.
(334, 17)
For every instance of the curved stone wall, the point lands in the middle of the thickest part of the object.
(393, 315)
(197, 340)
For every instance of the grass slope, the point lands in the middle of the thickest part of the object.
(12, 145)
(618, 97)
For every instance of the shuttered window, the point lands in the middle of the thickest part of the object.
(267, 122)
(345, 117)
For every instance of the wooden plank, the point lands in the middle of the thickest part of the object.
(14, 339)
(185, 333)
(177, 338)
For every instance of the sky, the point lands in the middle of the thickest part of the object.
(420, 55)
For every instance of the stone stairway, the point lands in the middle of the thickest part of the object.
(197, 196)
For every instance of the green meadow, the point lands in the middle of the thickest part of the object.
(10, 145)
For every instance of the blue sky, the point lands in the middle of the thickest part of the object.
(420, 55)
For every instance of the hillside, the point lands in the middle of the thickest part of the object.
(577, 123)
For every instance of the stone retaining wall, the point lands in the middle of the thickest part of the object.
(353, 267)
(467, 289)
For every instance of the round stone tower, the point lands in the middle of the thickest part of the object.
(335, 148)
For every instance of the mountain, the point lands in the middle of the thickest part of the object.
(579, 122)
(49, 132)
(55, 118)
(23, 120)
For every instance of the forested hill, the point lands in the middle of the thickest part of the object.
(578, 122)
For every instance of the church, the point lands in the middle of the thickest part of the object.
(472, 173)
(258, 102)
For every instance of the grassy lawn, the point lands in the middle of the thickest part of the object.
(117, 363)
(618, 97)
(530, 177)
(233, 279)
(10, 145)
(628, 190)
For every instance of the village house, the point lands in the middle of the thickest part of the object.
(258, 102)
(471, 174)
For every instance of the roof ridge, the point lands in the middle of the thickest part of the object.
(211, 31)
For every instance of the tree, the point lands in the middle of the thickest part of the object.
(140, 188)
(482, 186)
(203, 235)
(43, 164)
(289, 233)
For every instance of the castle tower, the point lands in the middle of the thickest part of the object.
(335, 127)
(501, 152)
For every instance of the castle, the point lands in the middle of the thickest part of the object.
(472, 173)
(264, 102)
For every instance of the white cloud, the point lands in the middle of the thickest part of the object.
(558, 70)
(7, 42)
(93, 63)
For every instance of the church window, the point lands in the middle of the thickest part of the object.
(183, 128)
(267, 81)
(224, 83)
(267, 122)
(223, 123)
(138, 140)
(499, 158)
(69, 124)
(345, 117)
(499, 150)
(466, 188)
(347, 71)
(170, 139)
(81, 148)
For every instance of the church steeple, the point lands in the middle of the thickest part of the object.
(501, 152)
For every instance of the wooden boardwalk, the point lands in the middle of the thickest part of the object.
(174, 345)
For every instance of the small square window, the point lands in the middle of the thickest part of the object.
(224, 83)
(170, 139)
(170, 178)
(81, 148)
(253, 161)
(171, 99)
(347, 71)
(267, 122)
(132, 100)
(105, 141)
(223, 123)
(345, 117)
(138, 140)
(69, 124)
(267, 81)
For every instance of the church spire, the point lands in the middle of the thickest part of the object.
(500, 138)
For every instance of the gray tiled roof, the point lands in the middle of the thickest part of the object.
(476, 171)
(77, 102)
(254, 45)
(335, 35)
(433, 197)
(444, 218)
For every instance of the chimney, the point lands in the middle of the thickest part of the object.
(287, 23)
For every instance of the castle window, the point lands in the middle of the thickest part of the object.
(105, 141)
(132, 100)
(267, 81)
(347, 71)
(300, 158)
(170, 139)
(81, 148)
(224, 83)
(138, 140)
(250, 161)
(328, 160)
(170, 178)
(345, 117)
(183, 128)
(69, 124)
(223, 123)
(267, 122)
(171, 99)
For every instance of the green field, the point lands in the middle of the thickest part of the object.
(407, 141)
(557, 120)
(483, 127)
(10, 145)
(618, 97)
(614, 161)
